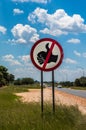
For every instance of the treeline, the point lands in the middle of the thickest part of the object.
(66, 83)
(24, 81)
(79, 82)
(6, 78)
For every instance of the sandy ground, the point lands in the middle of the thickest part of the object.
(34, 95)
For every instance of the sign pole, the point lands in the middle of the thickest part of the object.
(53, 92)
(42, 92)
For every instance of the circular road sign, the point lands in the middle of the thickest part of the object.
(46, 54)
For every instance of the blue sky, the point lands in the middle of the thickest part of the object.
(23, 22)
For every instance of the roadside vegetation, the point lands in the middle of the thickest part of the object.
(15, 115)
(79, 82)
(78, 88)
(6, 79)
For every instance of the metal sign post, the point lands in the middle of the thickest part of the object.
(53, 92)
(42, 92)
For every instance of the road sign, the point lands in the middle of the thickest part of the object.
(46, 54)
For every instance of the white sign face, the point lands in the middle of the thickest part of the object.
(46, 54)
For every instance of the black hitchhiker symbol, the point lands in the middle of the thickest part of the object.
(41, 56)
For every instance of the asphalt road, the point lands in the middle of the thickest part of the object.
(80, 93)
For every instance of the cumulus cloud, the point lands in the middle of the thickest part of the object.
(80, 54)
(36, 1)
(11, 60)
(3, 29)
(17, 11)
(77, 53)
(74, 41)
(58, 23)
(20, 1)
(22, 72)
(22, 61)
(53, 32)
(8, 57)
(70, 61)
(69, 74)
(84, 54)
(24, 34)
(25, 60)
(22, 64)
(15, 41)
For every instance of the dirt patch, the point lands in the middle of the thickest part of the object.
(34, 95)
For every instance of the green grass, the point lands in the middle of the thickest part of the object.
(20, 88)
(79, 88)
(15, 115)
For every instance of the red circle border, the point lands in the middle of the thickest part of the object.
(38, 42)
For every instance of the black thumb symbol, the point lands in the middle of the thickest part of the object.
(41, 56)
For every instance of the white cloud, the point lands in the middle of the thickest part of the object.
(22, 72)
(17, 11)
(11, 60)
(77, 53)
(8, 57)
(20, 40)
(15, 41)
(3, 29)
(54, 32)
(25, 59)
(20, 1)
(74, 41)
(22, 61)
(24, 34)
(58, 23)
(70, 61)
(80, 54)
(66, 74)
(36, 1)
(84, 54)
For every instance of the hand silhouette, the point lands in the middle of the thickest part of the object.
(41, 56)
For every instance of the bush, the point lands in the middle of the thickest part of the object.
(5, 77)
(24, 81)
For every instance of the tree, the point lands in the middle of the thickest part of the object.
(11, 78)
(24, 81)
(83, 81)
(18, 82)
(77, 82)
(80, 82)
(5, 77)
(66, 83)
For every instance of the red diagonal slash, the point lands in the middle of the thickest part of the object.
(48, 56)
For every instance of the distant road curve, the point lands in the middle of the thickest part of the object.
(80, 93)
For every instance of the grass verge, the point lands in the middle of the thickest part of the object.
(79, 88)
(15, 115)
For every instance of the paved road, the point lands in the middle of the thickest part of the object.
(80, 93)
